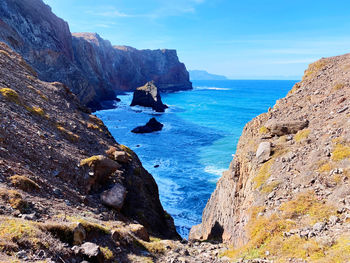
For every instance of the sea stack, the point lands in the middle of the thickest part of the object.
(152, 126)
(148, 96)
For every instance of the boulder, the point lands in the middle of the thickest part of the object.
(285, 127)
(264, 151)
(139, 231)
(114, 197)
(148, 96)
(152, 126)
(101, 168)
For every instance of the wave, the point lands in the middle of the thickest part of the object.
(210, 88)
(210, 169)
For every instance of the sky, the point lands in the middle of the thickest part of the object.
(242, 39)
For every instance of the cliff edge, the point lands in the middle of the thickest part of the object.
(68, 190)
(286, 194)
(91, 67)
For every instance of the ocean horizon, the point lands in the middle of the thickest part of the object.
(201, 130)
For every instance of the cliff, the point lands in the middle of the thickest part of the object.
(91, 67)
(286, 194)
(64, 180)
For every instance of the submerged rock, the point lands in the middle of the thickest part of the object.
(152, 126)
(148, 96)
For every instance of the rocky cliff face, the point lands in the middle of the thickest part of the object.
(59, 166)
(90, 66)
(286, 194)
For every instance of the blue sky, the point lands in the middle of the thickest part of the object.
(244, 39)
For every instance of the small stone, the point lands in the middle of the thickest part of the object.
(264, 151)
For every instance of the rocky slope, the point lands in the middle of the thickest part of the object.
(59, 166)
(90, 66)
(286, 195)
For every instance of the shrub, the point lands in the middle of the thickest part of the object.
(24, 183)
(340, 152)
(325, 167)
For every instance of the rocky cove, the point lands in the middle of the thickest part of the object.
(71, 193)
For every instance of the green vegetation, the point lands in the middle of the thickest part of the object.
(24, 183)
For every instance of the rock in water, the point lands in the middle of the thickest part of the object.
(152, 126)
(148, 96)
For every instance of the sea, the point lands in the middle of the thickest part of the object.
(201, 130)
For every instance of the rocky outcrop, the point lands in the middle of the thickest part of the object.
(151, 126)
(289, 175)
(56, 161)
(91, 67)
(148, 96)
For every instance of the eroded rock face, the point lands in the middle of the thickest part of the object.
(90, 66)
(151, 126)
(286, 127)
(310, 137)
(148, 96)
(50, 138)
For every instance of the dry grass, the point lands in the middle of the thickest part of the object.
(263, 130)
(313, 69)
(10, 95)
(14, 198)
(24, 183)
(38, 92)
(91, 160)
(338, 86)
(302, 135)
(266, 231)
(68, 134)
(263, 174)
(340, 152)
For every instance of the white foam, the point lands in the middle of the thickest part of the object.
(214, 170)
(210, 88)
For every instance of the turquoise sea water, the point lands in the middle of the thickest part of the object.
(201, 130)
